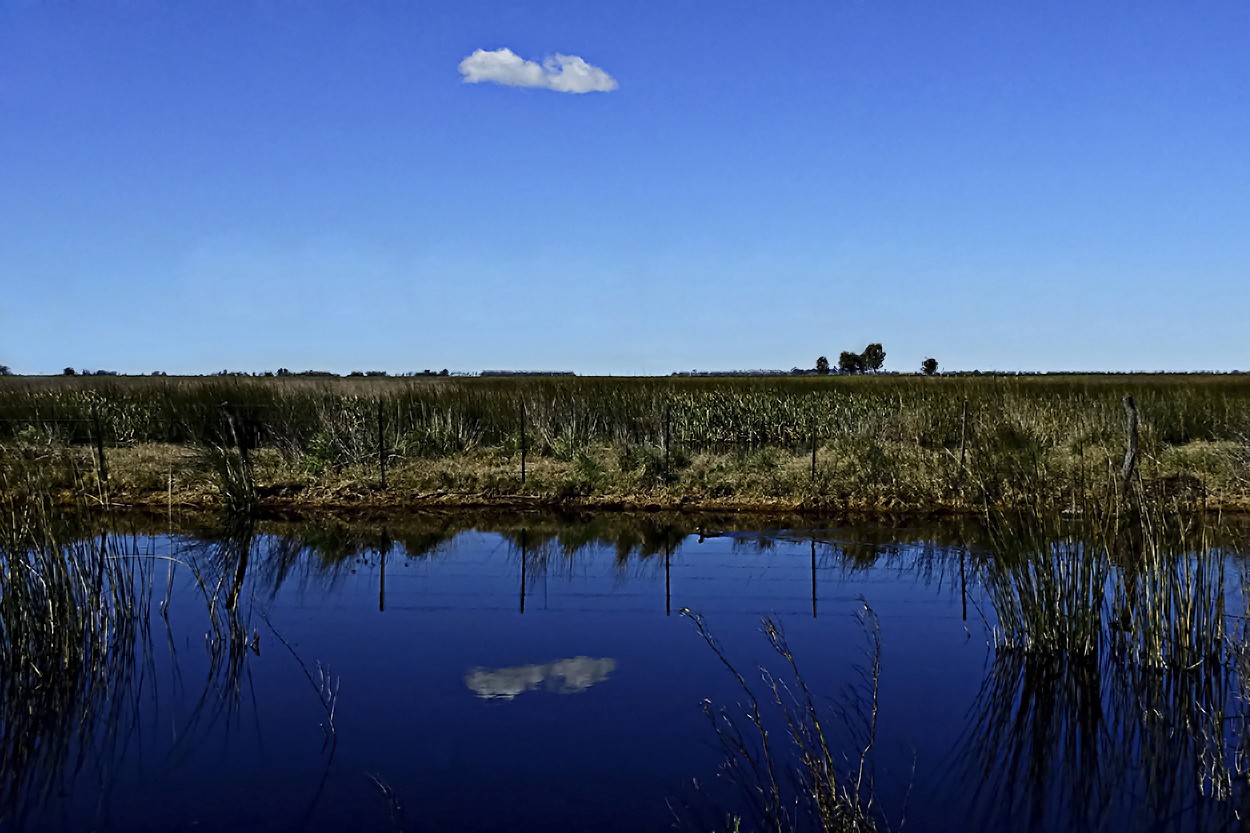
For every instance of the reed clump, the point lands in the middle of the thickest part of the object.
(1119, 648)
(821, 791)
(70, 620)
(76, 610)
(1145, 583)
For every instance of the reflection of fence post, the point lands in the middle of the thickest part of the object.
(523, 449)
(813, 575)
(382, 586)
(101, 462)
(1130, 454)
(668, 581)
(524, 543)
(381, 445)
(963, 585)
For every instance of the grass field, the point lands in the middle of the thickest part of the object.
(898, 443)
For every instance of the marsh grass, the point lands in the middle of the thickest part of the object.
(884, 441)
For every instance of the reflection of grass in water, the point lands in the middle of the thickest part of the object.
(70, 623)
(1056, 741)
(1114, 665)
(1153, 593)
(782, 795)
(75, 641)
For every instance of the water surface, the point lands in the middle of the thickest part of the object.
(538, 674)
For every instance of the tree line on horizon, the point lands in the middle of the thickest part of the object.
(872, 359)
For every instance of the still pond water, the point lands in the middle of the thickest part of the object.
(536, 674)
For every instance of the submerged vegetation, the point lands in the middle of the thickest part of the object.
(819, 443)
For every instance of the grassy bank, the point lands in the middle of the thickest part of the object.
(881, 443)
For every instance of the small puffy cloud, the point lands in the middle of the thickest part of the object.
(562, 73)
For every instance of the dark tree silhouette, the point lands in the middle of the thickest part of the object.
(5, 370)
(822, 365)
(850, 362)
(69, 371)
(874, 357)
(929, 366)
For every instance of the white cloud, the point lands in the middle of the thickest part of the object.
(562, 73)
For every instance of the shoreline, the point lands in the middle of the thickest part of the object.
(381, 504)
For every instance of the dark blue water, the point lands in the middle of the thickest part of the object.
(544, 678)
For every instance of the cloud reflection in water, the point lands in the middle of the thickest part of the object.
(566, 676)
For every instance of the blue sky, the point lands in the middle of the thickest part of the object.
(260, 183)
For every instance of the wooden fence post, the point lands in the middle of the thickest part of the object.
(99, 445)
(668, 419)
(381, 445)
(963, 441)
(523, 448)
(813, 443)
(1130, 454)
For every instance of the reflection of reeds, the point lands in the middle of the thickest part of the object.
(1048, 598)
(75, 643)
(1113, 671)
(1171, 601)
(72, 617)
(1097, 743)
(1154, 594)
(834, 799)
(1038, 744)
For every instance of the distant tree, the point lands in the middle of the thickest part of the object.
(5, 370)
(69, 371)
(443, 372)
(929, 366)
(822, 365)
(282, 371)
(873, 357)
(850, 362)
(356, 373)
